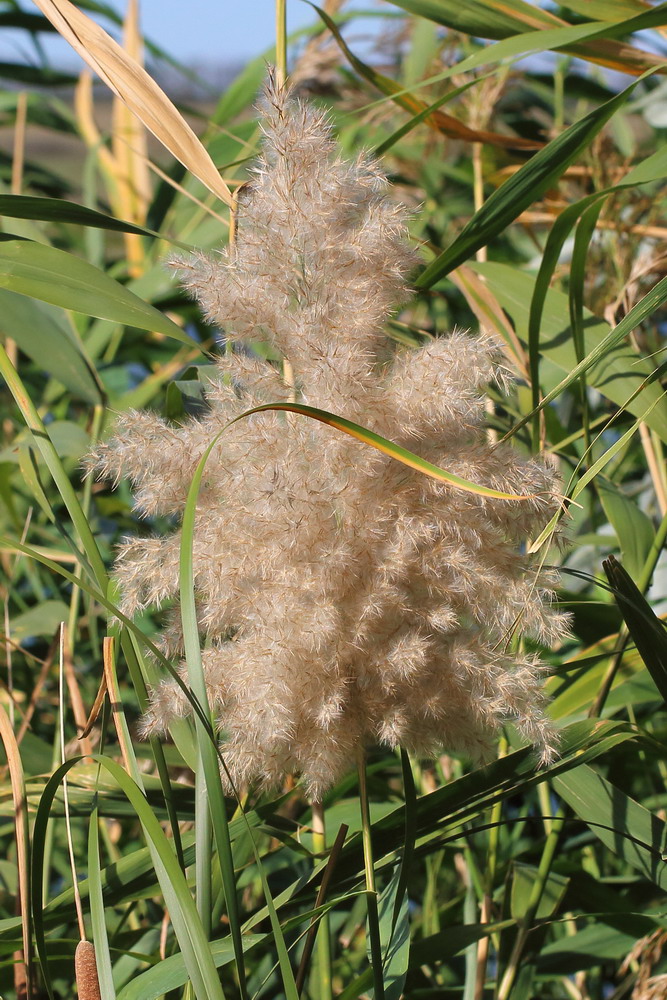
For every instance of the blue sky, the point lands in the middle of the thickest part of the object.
(216, 31)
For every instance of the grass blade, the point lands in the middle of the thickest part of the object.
(18, 793)
(522, 189)
(650, 169)
(436, 119)
(593, 40)
(374, 946)
(179, 902)
(621, 823)
(208, 769)
(647, 630)
(100, 937)
(16, 206)
(382, 444)
(41, 331)
(641, 311)
(62, 279)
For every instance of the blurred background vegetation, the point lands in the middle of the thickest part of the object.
(529, 139)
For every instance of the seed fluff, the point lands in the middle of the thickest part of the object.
(344, 599)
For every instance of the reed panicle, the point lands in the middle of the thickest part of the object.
(345, 599)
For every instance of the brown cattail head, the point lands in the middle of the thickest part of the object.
(85, 972)
(345, 599)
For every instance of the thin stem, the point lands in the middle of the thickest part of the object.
(655, 467)
(323, 940)
(68, 825)
(371, 891)
(489, 879)
(334, 855)
(75, 600)
(514, 964)
(478, 188)
(18, 157)
(281, 42)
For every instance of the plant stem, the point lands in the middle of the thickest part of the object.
(281, 42)
(489, 879)
(371, 891)
(514, 964)
(323, 940)
(334, 855)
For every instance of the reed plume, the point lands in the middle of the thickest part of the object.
(345, 600)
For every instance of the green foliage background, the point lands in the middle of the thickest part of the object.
(538, 189)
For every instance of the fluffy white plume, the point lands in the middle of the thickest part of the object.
(345, 599)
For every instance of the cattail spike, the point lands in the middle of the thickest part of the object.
(85, 971)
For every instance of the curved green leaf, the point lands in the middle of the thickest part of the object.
(480, 18)
(634, 528)
(513, 20)
(614, 369)
(387, 447)
(41, 332)
(18, 206)
(623, 825)
(183, 914)
(521, 190)
(170, 973)
(100, 937)
(35, 75)
(43, 272)
(647, 630)
(652, 168)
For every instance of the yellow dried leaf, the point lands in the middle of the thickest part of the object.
(129, 81)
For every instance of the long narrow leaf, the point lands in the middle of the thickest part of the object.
(16, 206)
(209, 761)
(643, 309)
(100, 937)
(447, 124)
(179, 902)
(522, 189)
(515, 20)
(623, 825)
(387, 447)
(615, 369)
(62, 279)
(647, 630)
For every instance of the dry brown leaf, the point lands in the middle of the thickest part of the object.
(129, 81)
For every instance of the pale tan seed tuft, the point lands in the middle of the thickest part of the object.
(345, 599)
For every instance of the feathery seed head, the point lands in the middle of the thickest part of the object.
(345, 598)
